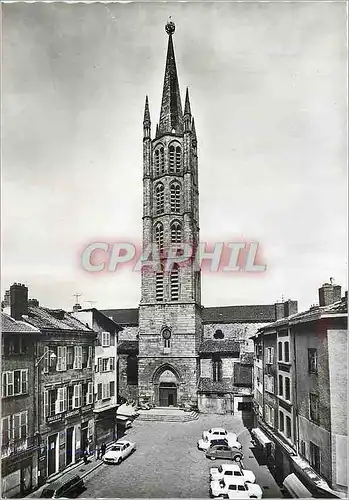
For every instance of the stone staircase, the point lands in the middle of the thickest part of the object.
(167, 415)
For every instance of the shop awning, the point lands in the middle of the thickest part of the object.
(296, 488)
(102, 410)
(260, 437)
(122, 418)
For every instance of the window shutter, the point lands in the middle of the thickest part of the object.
(89, 359)
(46, 367)
(10, 388)
(80, 357)
(16, 426)
(64, 399)
(75, 365)
(75, 397)
(99, 392)
(100, 362)
(59, 359)
(24, 381)
(4, 385)
(64, 358)
(89, 393)
(79, 394)
(111, 364)
(45, 404)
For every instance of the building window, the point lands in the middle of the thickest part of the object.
(159, 286)
(61, 365)
(160, 198)
(85, 349)
(281, 422)
(217, 370)
(70, 396)
(14, 383)
(280, 351)
(269, 383)
(281, 386)
(112, 389)
(175, 197)
(314, 407)
(302, 450)
(132, 370)
(70, 357)
(176, 233)
(111, 364)
(175, 159)
(178, 159)
(172, 159)
(99, 392)
(105, 339)
(269, 415)
(312, 360)
(314, 456)
(174, 282)
(159, 236)
(20, 425)
(15, 345)
(6, 430)
(77, 396)
(269, 355)
(286, 352)
(287, 389)
(288, 428)
(105, 364)
(159, 159)
(77, 357)
(106, 390)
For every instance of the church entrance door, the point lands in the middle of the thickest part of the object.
(167, 394)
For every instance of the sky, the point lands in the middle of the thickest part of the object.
(267, 83)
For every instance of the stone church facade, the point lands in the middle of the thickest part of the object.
(172, 351)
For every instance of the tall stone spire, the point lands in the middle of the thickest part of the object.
(171, 115)
(146, 120)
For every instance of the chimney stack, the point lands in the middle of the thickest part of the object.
(33, 303)
(285, 309)
(18, 300)
(329, 293)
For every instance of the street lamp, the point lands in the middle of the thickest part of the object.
(53, 356)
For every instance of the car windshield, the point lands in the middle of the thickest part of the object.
(47, 493)
(116, 448)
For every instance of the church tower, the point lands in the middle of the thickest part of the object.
(170, 310)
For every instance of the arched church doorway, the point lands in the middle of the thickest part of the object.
(168, 389)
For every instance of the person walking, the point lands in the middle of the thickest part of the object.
(98, 452)
(103, 449)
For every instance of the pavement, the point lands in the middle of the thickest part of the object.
(167, 463)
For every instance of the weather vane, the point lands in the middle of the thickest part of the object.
(170, 26)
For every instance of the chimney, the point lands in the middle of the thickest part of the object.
(33, 303)
(18, 300)
(329, 293)
(279, 310)
(290, 307)
(77, 307)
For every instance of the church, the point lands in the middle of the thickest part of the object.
(173, 351)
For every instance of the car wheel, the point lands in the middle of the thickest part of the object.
(119, 461)
(212, 458)
(238, 459)
(253, 496)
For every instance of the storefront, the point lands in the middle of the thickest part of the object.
(105, 425)
(18, 473)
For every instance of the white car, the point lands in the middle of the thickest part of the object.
(234, 489)
(218, 434)
(118, 452)
(231, 470)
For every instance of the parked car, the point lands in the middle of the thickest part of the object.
(68, 486)
(224, 451)
(118, 452)
(231, 470)
(232, 488)
(213, 434)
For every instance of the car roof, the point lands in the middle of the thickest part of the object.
(230, 467)
(217, 429)
(122, 442)
(61, 482)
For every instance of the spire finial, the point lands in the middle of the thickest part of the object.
(187, 110)
(170, 26)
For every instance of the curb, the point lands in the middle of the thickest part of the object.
(93, 468)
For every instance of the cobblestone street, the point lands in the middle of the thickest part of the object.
(167, 463)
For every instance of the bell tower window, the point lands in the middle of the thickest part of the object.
(178, 159)
(159, 236)
(176, 232)
(174, 280)
(175, 159)
(160, 198)
(175, 197)
(159, 160)
(159, 285)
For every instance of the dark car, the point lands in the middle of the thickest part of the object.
(68, 487)
(219, 442)
(224, 451)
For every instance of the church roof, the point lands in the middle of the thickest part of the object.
(225, 314)
(264, 313)
(171, 114)
(219, 347)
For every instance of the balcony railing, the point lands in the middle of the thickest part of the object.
(17, 446)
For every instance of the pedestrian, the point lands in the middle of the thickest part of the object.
(98, 452)
(85, 456)
(103, 449)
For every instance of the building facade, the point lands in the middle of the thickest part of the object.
(19, 443)
(300, 376)
(105, 365)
